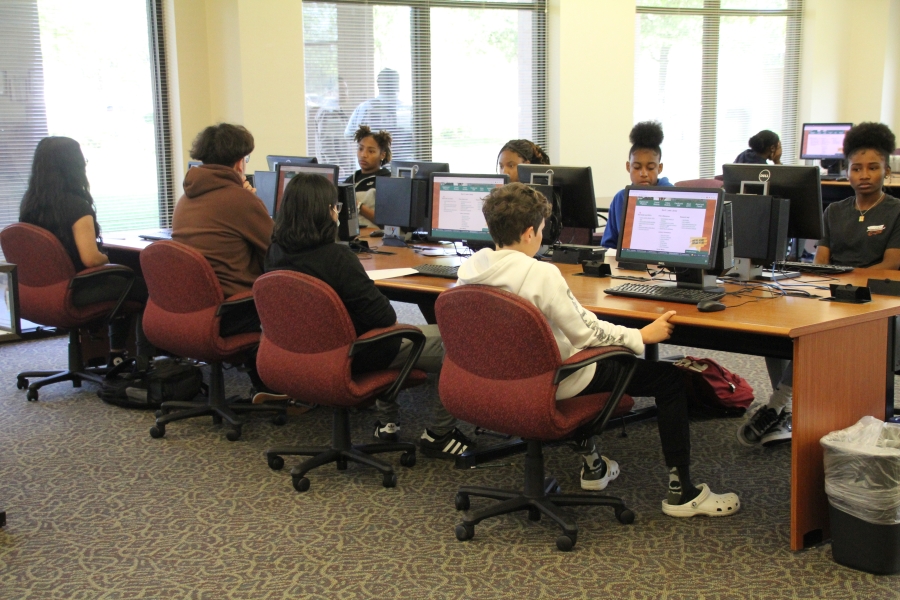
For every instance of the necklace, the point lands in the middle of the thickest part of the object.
(862, 213)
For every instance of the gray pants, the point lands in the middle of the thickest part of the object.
(430, 361)
(780, 372)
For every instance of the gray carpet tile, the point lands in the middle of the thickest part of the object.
(98, 509)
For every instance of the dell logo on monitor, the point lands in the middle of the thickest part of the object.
(764, 175)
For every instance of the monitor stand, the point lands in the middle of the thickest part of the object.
(394, 236)
(745, 270)
(697, 279)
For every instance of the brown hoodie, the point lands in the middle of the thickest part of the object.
(226, 223)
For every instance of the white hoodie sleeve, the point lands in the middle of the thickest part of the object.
(581, 326)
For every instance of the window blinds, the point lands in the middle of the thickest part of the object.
(451, 80)
(714, 73)
(94, 71)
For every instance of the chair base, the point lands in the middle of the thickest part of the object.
(341, 452)
(540, 497)
(216, 406)
(76, 372)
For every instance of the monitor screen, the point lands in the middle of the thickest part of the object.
(194, 163)
(673, 227)
(823, 140)
(264, 182)
(273, 160)
(575, 185)
(801, 185)
(456, 206)
(417, 169)
(285, 172)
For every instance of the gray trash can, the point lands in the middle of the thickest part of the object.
(862, 481)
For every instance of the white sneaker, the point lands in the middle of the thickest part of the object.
(591, 480)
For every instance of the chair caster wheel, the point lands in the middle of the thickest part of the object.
(233, 435)
(31, 395)
(389, 480)
(159, 414)
(566, 542)
(465, 532)
(21, 383)
(625, 516)
(408, 459)
(462, 502)
(276, 463)
(301, 484)
(279, 420)
(341, 464)
(157, 431)
(534, 514)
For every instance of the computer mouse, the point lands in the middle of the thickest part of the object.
(710, 306)
(377, 233)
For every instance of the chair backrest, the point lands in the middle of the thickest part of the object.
(44, 271)
(702, 183)
(307, 334)
(184, 297)
(499, 363)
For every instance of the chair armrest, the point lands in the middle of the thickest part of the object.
(86, 276)
(407, 332)
(587, 357)
(237, 301)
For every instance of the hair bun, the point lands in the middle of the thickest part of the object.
(646, 134)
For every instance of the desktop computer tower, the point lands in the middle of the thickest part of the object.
(762, 234)
(348, 223)
(400, 203)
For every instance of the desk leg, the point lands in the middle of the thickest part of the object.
(839, 377)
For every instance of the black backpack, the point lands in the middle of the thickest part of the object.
(167, 379)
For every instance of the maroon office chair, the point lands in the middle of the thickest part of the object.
(501, 370)
(47, 284)
(700, 183)
(182, 317)
(306, 350)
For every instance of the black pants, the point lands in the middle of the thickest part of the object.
(108, 288)
(662, 381)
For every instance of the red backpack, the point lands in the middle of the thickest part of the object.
(712, 390)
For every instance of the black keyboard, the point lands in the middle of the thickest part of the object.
(663, 293)
(162, 234)
(446, 271)
(804, 267)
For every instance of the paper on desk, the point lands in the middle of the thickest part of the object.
(377, 274)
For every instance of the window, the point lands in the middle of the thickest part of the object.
(90, 70)
(714, 73)
(451, 80)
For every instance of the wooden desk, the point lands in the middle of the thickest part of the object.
(840, 353)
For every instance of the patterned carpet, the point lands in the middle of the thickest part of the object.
(98, 509)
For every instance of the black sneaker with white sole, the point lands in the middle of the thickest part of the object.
(753, 429)
(389, 432)
(450, 445)
(780, 433)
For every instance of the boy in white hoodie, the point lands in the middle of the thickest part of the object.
(515, 216)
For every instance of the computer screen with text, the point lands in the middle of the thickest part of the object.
(456, 205)
(823, 140)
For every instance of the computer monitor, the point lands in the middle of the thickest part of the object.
(417, 169)
(762, 238)
(285, 172)
(825, 141)
(265, 189)
(801, 185)
(456, 201)
(575, 186)
(193, 163)
(272, 160)
(677, 228)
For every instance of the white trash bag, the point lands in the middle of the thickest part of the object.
(862, 470)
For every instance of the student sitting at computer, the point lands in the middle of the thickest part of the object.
(515, 216)
(518, 152)
(59, 200)
(223, 220)
(860, 231)
(373, 151)
(644, 166)
(764, 146)
(304, 241)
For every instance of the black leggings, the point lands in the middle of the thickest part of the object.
(664, 382)
(108, 289)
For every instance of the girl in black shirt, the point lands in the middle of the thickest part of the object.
(373, 151)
